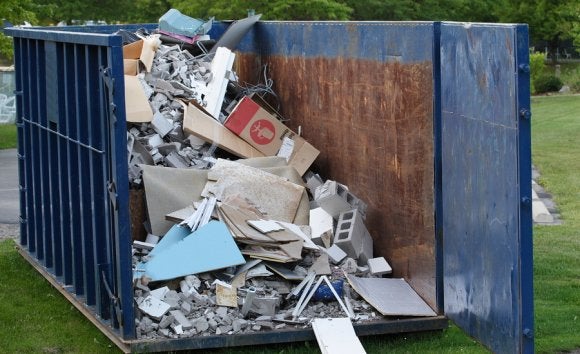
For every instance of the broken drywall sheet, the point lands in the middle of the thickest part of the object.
(322, 226)
(391, 297)
(336, 336)
(196, 253)
(168, 189)
(221, 66)
(275, 195)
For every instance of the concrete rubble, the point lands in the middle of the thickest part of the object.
(300, 236)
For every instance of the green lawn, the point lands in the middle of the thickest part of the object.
(556, 152)
(40, 320)
(7, 136)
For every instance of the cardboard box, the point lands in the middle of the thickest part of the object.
(198, 122)
(267, 134)
(138, 109)
(131, 66)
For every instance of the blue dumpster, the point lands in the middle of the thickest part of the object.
(428, 122)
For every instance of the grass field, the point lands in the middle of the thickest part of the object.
(54, 326)
(556, 152)
(7, 136)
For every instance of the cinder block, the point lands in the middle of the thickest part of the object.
(335, 199)
(349, 233)
(331, 197)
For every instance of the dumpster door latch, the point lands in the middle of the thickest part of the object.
(112, 194)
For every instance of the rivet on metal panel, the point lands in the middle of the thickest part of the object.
(526, 201)
(528, 333)
(525, 114)
(524, 68)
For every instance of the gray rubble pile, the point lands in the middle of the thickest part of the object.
(257, 244)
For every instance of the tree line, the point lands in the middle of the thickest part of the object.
(551, 21)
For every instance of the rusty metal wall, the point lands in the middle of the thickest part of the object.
(367, 105)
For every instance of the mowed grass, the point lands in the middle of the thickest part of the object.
(7, 136)
(39, 319)
(35, 318)
(556, 152)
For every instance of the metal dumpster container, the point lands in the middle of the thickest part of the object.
(428, 122)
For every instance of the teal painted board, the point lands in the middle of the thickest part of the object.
(209, 248)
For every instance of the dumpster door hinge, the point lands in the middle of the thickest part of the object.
(110, 85)
(112, 194)
(114, 299)
(528, 333)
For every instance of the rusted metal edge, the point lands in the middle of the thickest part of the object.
(107, 331)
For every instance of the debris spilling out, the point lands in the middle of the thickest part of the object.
(240, 235)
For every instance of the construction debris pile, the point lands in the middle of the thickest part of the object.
(259, 243)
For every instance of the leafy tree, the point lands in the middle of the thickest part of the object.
(385, 10)
(16, 12)
(548, 20)
(270, 10)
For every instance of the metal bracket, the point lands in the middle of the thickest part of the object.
(528, 333)
(114, 299)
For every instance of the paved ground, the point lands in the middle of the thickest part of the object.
(9, 205)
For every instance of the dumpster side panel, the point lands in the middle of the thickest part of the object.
(71, 145)
(365, 100)
(481, 183)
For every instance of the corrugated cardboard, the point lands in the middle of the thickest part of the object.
(131, 66)
(199, 123)
(133, 50)
(137, 105)
(263, 131)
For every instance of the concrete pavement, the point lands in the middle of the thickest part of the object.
(9, 195)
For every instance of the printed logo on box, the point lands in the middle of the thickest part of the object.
(262, 132)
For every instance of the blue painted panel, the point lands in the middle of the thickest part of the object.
(480, 183)
(379, 41)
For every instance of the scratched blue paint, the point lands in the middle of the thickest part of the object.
(480, 180)
(377, 41)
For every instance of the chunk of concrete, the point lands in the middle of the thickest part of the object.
(181, 319)
(379, 266)
(335, 254)
(154, 307)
